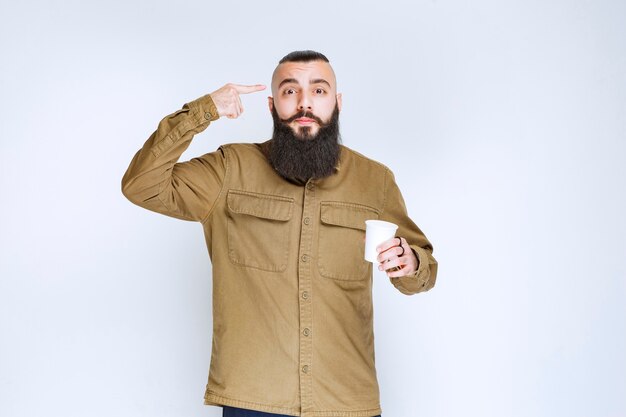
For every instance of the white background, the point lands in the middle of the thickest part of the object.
(504, 122)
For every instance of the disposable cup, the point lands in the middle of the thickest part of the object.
(376, 232)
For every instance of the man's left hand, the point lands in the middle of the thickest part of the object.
(396, 258)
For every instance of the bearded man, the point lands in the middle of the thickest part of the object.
(284, 223)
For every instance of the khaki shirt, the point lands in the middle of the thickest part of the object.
(292, 294)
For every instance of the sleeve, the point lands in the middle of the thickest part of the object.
(395, 211)
(188, 190)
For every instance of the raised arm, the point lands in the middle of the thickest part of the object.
(156, 181)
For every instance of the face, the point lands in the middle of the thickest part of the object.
(304, 95)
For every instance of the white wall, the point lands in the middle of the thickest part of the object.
(504, 122)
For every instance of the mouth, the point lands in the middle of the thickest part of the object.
(305, 121)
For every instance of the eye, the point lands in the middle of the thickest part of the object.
(319, 91)
(289, 91)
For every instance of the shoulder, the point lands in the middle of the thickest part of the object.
(357, 159)
(241, 146)
(244, 148)
(250, 154)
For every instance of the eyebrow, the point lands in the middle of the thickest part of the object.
(320, 81)
(287, 81)
(294, 81)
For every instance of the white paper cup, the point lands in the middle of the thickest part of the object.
(376, 232)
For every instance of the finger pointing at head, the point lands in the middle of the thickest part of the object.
(227, 98)
(247, 89)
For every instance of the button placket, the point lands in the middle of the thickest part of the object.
(305, 275)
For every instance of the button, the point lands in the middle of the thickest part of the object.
(306, 332)
(305, 294)
(310, 186)
(305, 369)
(208, 115)
(307, 220)
(304, 258)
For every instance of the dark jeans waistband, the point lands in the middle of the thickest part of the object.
(240, 412)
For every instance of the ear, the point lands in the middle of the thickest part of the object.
(339, 101)
(270, 103)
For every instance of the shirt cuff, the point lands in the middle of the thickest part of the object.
(418, 280)
(206, 107)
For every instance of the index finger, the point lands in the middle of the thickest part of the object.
(390, 243)
(247, 89)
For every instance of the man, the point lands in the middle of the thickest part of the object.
(284, 225)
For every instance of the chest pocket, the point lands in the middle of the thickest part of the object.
(342, 240)
(258, 230)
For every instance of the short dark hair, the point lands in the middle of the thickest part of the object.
(303, 56)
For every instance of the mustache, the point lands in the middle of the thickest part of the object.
(304, 113)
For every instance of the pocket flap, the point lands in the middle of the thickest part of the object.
(260, 205)
(347, 214)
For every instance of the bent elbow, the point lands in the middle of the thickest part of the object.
(130, 190)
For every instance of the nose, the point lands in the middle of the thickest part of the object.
(305, 102)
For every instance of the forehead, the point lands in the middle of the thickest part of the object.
(304, 72)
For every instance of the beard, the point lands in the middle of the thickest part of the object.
(302, 156)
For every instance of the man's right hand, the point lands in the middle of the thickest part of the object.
(227, 98)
